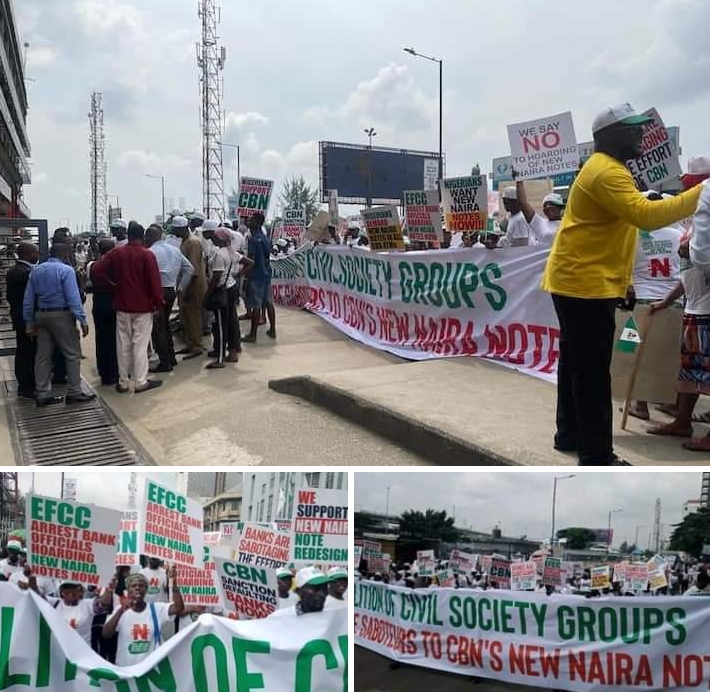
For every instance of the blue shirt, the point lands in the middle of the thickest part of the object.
(172, 265)
(52, 284)
(260, 252)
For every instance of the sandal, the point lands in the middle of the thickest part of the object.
(670, 431)
(698, 444)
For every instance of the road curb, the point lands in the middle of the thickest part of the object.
(430, 442)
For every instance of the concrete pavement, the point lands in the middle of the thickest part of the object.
(374, 674)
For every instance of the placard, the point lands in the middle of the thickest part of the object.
(637, 577)
(293, 225)
(254, 196)
(263, 547)
(383, 228)
(198, 585)
(128, 539)
(333, 207)
(358, 556)
(462, 563)
(446, 578)
(171, 526)
(659, 161)
(600, 578)
(465, 203)
(431, 174)
(500, 572)
(71, 541)
(320, 527)
(523, 576)
(426, 562)
(423, 216)
(552, 572)
(246, 589)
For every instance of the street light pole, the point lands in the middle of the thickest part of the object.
(608, 529)
(370, 133)
(554, 503)
(411, 51)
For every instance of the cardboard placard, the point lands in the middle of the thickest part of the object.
(293, 225)
(600, 578)
(263, 547)
(552, 572)
(383, 228)
(659, 162)
(128, 539)
(523, 576)
(246, 589)
(320, 527)
(465, 203)
(500, 572)
(254, 195)
(423, 216)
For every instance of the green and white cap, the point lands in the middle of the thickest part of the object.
(335, 573)
(624, 114)
(310, 576)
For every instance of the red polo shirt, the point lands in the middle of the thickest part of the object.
(132, 273)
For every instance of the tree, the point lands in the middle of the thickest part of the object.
(430, 524)
(298, 193)
(692, 533)
(624, 548)
(578, 538)
(364, 521)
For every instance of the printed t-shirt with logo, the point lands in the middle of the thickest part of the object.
(657, 264)
(136, 633)
(79, 617)
(157, 580)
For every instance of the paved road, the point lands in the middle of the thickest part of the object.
(374, 674)
(230, 417)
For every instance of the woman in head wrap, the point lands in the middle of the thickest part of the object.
(138, 623)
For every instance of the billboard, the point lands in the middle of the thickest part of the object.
(359, 172)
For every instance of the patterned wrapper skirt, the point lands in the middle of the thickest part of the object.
(694, 375)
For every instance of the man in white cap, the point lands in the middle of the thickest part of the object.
(588, 274)
(312, 590)
(287, 598)
(541, 228)
(337, 586)
(119, 230)
(517, 232)
(13, 562)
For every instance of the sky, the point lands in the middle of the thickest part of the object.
(298, 73)
(521, 502)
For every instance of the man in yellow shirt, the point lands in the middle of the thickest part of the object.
(589, 272)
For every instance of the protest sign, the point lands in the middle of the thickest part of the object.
(465, 203)
(658, 162)
(171, 526)
(636, 577)
(320, 527)
(284, 655)
(561, 643)
(500, 572)
(380, 564)
(283, 525)
(69, 489)
(246, 589)
(539, 561)
(585, 151)
(357, 555)
(333, 207)
(423, 216)
(621, 570)
(552, 572)
(446, 578)
(545, 147)
(211, 538)
(383, 228)
(71, 541)
(198, 585)
(462, 563)
(502, 169)
(294, 223)
(486, 563)
(263, 547)
(254, 196)
(431, 174)
(371, 549)
(230, 533)
(523, 576)
(657, 572)
(428, 305)
(600, 577)
(426, 562)
(128, 539)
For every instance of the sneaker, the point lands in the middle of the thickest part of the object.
(121, 389)
(152, 384)
(50, 401)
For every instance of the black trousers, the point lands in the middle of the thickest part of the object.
(25, 361)
(162, 335)
(234, 335)
(584, 407)
(105, 337)
(219, 333)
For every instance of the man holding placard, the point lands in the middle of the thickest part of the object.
(589, 273)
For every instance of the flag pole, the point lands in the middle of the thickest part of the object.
(637, 364)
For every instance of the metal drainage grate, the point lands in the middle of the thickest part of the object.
(78, 434)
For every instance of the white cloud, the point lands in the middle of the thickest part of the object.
(108, 19)
(39, 58)
(145, 161)
(39, 178)
(245, 121)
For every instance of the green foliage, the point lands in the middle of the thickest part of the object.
(578, 538)
(364, 521)
(692, 533)
(297, 192)
(431, 524)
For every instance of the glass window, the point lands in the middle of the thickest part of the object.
(329, 480)
(269, 516)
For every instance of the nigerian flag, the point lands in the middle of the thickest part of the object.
(630, 337)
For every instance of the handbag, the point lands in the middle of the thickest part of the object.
(218, 298)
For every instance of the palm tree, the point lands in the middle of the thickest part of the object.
(298, 193)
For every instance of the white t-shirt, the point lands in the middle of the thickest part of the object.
(221, 261)
(45, 585)
(238, 241)
(518, 232)
(6, 569)
(333, 603)
(157, 580)
(136, 633)
(697, 291)
(657, 264)
(291, 600)
(79, 617)
(543, 230)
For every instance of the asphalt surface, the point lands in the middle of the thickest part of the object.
(373, 673)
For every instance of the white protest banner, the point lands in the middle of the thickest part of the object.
(637, 577)
(544, 147)
(552, 572)
(446, 578)
(423, 216)
(170, 526)
(500, 572)
(294, 223)
(320, 527)
(263, 547)
(198, 585)
(333, 207)
(383, 228)
(659, 161)
(621, 571)
(357, 556)
(523, 576)
(254, 196)
(426, 562)
(600, 577)
(465, 203)
(462, 563)
(69, 489)
(561, 643)
(246, 589)
(42, 653)
(431, 174)
(128, 539)
(72, 541)
(430, 304)
(211, 538)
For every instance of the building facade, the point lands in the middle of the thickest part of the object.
(224, 508)
(691, 506)
(705, 491)
(205, 485)
(270, 496)
(14, 142)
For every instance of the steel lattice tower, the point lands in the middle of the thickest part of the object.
(132, 490)
(10, 510)
(656, 541)
(97, 166)
(210, 60)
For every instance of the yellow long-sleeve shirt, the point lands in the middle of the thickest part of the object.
(593, 252)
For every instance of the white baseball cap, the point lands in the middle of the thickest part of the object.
(14, 545)
(179, 222)
(119, 223)
(624, 113)
(335, 573)
(553, 198)
(510, 192)
(210, 225)
(284, 573)
(310, 576)
(198, 215)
